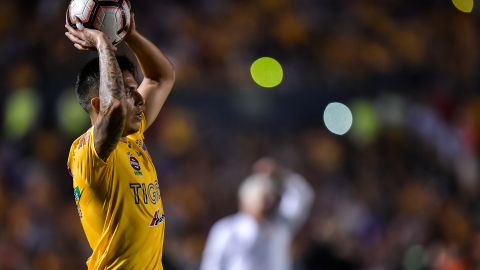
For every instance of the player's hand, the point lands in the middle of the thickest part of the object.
(268, 166)
(85, 39)
(133, 28)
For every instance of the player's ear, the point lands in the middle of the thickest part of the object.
(95, 103)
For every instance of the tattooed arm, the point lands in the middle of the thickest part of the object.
(110, 122)
(110, 105)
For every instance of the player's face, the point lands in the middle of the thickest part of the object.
(263, 204)
(135, 104)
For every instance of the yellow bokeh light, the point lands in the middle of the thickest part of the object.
(267, 72)
(463, 5)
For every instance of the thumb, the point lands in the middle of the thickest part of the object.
(78, 23)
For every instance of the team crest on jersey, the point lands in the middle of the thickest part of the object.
(135, 165)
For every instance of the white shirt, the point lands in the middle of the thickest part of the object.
(239, 242)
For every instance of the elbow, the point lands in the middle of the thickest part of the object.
(169, 78)
(173, 76)
(162, 82)
(117, 111)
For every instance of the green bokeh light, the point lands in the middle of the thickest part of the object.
(463, 5)
(21, 110)
(338, 118)
(267, 72)
(366, 126)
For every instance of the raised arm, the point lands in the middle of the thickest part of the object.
(110, 105)
(296, 201)
(296, 193)
(110, 122)
(159, 74)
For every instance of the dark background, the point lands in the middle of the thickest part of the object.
(399, 191)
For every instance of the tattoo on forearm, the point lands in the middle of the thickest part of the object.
(111, 80)
(110, 128)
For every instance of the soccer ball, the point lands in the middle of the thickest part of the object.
(111, 17)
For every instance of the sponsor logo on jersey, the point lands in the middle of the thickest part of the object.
(156, 219)
(135, 165)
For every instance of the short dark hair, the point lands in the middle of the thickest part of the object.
(88, 80)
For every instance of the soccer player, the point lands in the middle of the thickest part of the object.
(274, 203)
(115, 183)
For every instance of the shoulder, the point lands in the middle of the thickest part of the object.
(231, 224)
(222, 231)
(83, 151)
(78, 144)
(225, 224)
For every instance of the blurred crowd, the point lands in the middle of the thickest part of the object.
(399, 191)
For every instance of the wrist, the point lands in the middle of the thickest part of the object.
(132, 36)
(102, 40)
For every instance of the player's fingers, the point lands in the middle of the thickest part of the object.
(76, 32)
(77, 40)
(80, 47)
(72, 31)
(69, 28)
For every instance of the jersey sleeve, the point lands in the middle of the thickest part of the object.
(86, 166)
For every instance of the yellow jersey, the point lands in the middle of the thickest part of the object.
(119, 204)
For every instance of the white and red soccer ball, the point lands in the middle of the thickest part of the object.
(111, 17)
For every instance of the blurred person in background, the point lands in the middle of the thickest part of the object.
(274, 204)
(115, 182)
